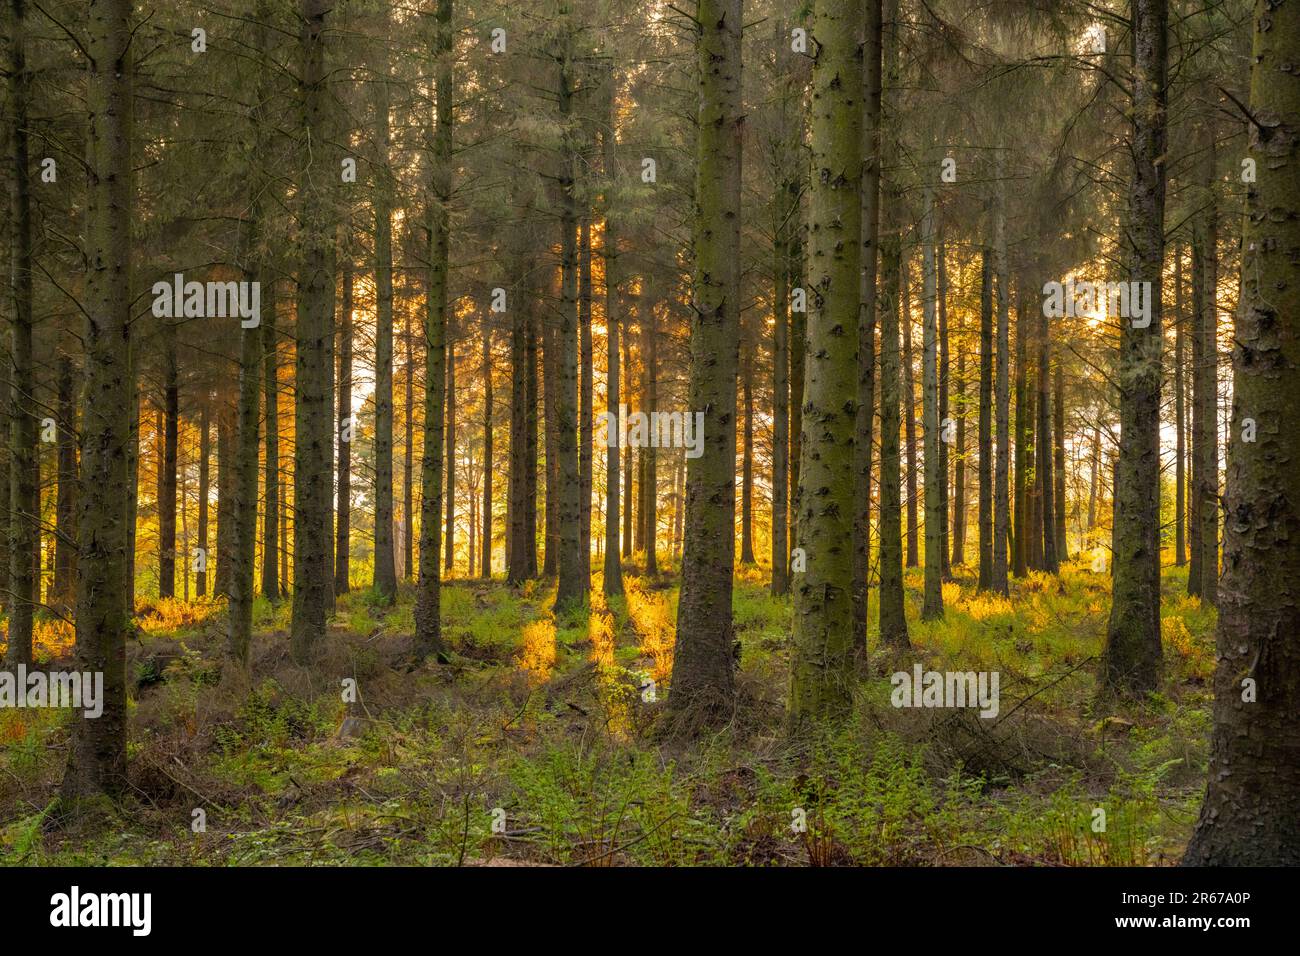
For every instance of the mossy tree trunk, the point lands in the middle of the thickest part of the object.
(1251, 813)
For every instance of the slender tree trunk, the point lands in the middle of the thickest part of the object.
(1205, 385)
(227, 468)
(586, 394)
(1058, 471)
(945, 422)
(23, 493)
(959, 466)
(64, 593)
(574, 572)
(936, 500)
(167, 468)
(449, 558)
(313, 446)
(485, 548)
(1002, 393)
(517, 543)
(629, 506)
(1046, 485)
(1132, 657)
(869, 215)
(408, 456)
(1020, 539)
(1094, 478)
(702, 678)
(1251, 813)
(428, 599)
(613, 580)
(343, 502)
(273, 521)
(385, 571)
(909, 417)
(1180, 421)
(986, 424)
(893, 620)
(205, 456)
(650, 455)
(747, 460)
(97, 752)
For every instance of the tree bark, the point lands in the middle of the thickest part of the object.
(97, 753)
(702, 678)
(1132, 657)
(1251, 813)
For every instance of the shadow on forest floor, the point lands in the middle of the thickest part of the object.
(535, 744)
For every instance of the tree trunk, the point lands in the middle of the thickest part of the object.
(1180, 422)
(23, 494)
(408, 456)
(702, 678)
(869, 216)
(343, 502)
(821, 669)
(1020, 537)
(385, 570)
(1058, 470)
(167, 468)
(1043, 472)
(574, 573)
(1002, 394)
(650, 455)
(945, 568)
(485, 548)
(1251, 813)
(893, 620)
(449, 557)
(986, 424)
(64, 593)
(1205, 383)
(1131, 660)
(909, 416)
(936, 499)
(272, 522)
(613, 580)
(205, 455)
(97, 753)
(313, 446)
(747, 460)
(586, 394)
(428, 598)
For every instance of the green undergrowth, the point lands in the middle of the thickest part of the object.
(537, 741)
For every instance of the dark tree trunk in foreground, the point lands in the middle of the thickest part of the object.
(1251, 814)
(586, 392)
(1131, 660)
(1205, 380)
(23, 492)
(909, 416)
(613, 582)
(97, 753)
(428, 597)
(313, 482)
(1180, 422)
(385, 570)
(702, 678)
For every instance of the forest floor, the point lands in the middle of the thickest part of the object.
(533, 743)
